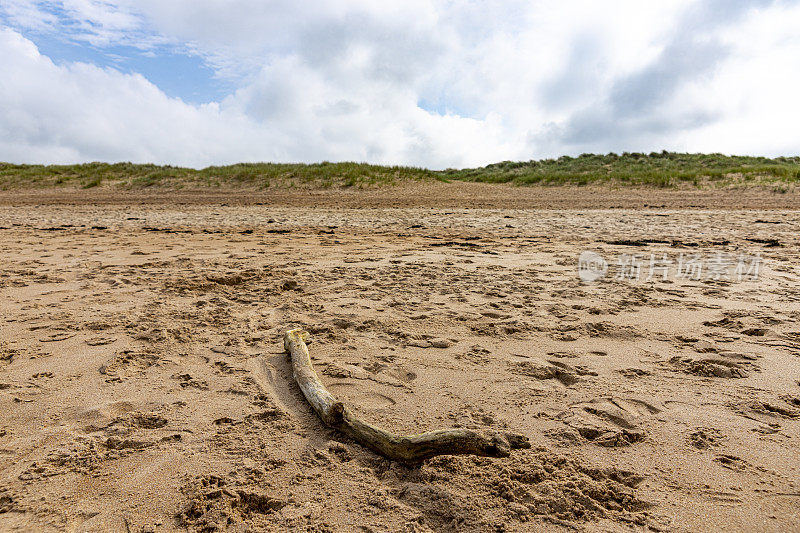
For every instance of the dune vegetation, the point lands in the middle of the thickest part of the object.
(657, 169)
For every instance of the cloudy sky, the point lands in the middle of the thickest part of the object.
(420, 82)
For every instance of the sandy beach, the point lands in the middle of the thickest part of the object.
(144, 386)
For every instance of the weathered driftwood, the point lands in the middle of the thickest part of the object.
(406, 449)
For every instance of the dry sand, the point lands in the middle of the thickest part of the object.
(143, 385)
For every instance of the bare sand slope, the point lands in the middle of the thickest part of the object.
(430, 195)
(143, 385)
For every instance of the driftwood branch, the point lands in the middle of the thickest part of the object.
(406, 449)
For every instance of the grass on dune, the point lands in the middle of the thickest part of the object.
(252, 175)
(660, 169)
(663, 169)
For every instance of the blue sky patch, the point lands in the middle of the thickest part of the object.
(179, 75)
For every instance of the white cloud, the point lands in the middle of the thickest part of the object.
(80, 112)
(348, 80)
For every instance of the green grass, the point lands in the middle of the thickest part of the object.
(248, 175)
(664, 169)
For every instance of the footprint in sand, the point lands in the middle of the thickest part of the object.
(400, 374)
(7, 502)
(541, 369)
(224, 368)
(355, 395)
(704, 438)
(128, 361)
(610, 421)
(7, 355)
(55, 337)
(720, 367)
(476, 354)
(767, 411)
(633, 372)
(101, 415)
(188, 381)
(626, 413)
(147, 420)
(792, 400)
(389, 374)
(732, 462)
(274, 377)
(100, 341)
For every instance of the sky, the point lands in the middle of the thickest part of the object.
(433, 83)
